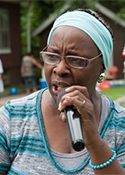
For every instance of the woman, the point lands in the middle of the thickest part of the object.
(34, 133)
(28, 72)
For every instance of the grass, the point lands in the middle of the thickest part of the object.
(114, 92)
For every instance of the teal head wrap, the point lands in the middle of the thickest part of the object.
(92, 26)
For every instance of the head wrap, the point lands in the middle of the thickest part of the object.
(92, 26)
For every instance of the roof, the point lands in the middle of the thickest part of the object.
(13, 1)
(110, 14)
(105, 11)
(51, 19)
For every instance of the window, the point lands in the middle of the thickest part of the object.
(4, 32)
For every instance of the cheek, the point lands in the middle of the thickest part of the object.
(48, 71)
(92, 76)
(79, 77)
(88, 77)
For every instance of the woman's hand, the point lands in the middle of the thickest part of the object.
(78, 96)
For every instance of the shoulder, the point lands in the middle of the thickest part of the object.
(117, 120)
(119, 108)
(116, 111)
(26, 101)
(114, 125)
(20, 104)
(113, 104)
(16, 112)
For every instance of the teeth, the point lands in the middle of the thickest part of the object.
(57, 89)
(58, 86)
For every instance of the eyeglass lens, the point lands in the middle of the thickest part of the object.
(72, 61)
(51, 58)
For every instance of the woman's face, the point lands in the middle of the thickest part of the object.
(72, 41)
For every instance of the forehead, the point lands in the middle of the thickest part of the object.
(72, 32)
(67, 36)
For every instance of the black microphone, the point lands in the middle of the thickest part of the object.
(74, 124)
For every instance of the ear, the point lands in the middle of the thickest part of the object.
(102, 69)
(101, 78)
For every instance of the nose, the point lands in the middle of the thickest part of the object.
(62, 69)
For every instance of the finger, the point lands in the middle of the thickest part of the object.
(75, 93)
(83, 105)
(82, 89)
(65, 101)
(63, 117)
(70, 98)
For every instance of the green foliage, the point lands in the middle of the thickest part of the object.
(117, 6)
(41, 10)
(114, 92)
(121, 12)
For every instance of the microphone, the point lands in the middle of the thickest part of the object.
(74, 124)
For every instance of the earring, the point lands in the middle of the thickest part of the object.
(101, 78)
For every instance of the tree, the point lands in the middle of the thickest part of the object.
(118, 6)
(42, 9)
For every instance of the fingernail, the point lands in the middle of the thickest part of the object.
(63, 118)
(59, 108)
(67, 89)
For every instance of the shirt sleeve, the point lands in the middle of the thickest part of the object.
(4, 139)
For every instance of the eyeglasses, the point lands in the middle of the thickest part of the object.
(72, 61)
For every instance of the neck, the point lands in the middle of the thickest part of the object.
(50, 101)
(95, 98)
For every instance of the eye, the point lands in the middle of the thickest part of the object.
(77, 61)
(50, 57)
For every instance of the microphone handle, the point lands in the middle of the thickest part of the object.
(75, 128)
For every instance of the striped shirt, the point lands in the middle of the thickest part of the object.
(24, 147)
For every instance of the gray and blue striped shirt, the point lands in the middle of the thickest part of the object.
(24, 147)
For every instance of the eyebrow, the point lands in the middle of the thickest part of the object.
(69, 52)
(52, 49)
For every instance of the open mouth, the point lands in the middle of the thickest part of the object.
(58, 86)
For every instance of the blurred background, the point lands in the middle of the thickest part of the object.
(24, 28)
